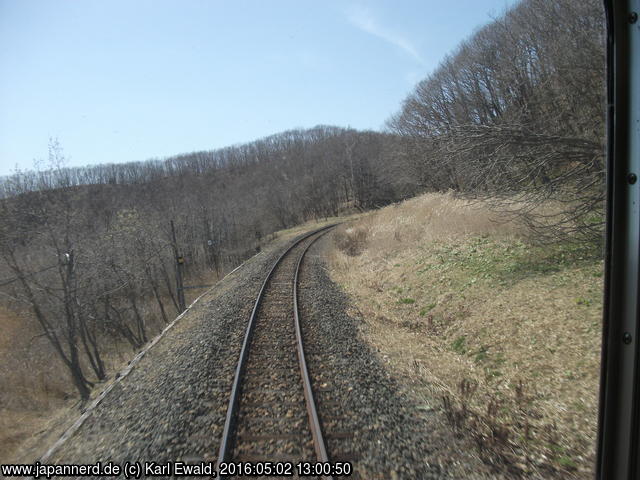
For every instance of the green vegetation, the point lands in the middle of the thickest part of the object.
(503, 262)
(481, 355)
(459, 345)
(407, 301)
(427, 309)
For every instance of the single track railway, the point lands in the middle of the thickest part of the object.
(271, 415)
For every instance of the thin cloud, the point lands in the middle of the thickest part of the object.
(362, 18)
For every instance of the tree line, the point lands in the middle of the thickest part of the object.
(90, 250)
(516, 115)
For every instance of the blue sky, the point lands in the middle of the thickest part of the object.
(125, 80)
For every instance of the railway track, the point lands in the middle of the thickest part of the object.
(271, 416)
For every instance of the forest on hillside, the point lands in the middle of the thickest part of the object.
(514, 115)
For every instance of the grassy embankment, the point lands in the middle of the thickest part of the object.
(502, 334)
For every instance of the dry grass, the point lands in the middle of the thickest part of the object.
(506, 333)
(37, 398)
(33, 386)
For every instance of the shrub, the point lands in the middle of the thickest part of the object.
(352, 241)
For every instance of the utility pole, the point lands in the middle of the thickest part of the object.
(179, 266)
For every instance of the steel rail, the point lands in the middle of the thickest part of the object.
(226, 443)
(314, 422)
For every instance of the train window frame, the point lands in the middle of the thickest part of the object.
(619, 407)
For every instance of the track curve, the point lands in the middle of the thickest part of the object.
(271, 415)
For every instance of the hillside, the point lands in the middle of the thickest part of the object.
(503, 334)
